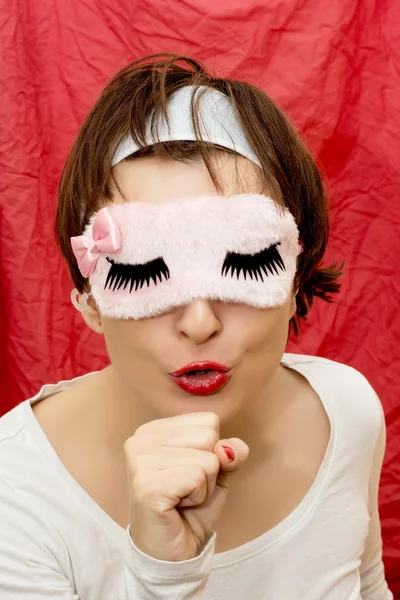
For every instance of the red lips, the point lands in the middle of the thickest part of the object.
(201, 378)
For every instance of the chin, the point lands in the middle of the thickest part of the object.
(222, 403)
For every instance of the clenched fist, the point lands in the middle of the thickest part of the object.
(179, 476)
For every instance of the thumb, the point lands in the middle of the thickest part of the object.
(232, 453)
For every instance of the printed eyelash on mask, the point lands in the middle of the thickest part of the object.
(255, 265)
(120, 274)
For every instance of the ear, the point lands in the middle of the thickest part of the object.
(293, 304)
(92, 317)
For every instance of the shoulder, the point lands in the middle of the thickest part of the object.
(12, 431)
(39, 509)
(21, 461)
(344, 390)
(330, 369)
(348, 381)
(28, 463)
(25, 483)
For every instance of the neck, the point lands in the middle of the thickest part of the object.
(119, 415)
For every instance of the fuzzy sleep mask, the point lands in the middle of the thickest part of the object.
(144, 259)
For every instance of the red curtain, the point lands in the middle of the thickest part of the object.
(334, 66)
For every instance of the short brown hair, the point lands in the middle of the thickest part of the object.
(143, 86)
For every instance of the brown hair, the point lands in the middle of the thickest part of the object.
(288, 169)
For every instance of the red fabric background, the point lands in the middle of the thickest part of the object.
(334, 66)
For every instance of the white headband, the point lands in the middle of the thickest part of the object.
(218, 124)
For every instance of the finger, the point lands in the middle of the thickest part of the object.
(172, 458)
(168, 488)
(215, 503)
(240, 450)
(207, 419)
(195, 437)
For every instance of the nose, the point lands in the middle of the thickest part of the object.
(199, 322)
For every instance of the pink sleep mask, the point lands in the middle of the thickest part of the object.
(145, 259)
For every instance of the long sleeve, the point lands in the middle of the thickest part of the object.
(35, 563)
(373, 583)
(153, 579)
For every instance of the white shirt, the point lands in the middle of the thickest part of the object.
(56, 542)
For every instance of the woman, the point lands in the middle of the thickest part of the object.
(203, 462)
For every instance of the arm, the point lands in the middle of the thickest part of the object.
(35, 564)
(373, 583)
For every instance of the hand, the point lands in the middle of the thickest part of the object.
(179, 476)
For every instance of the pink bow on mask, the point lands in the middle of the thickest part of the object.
(106, 237)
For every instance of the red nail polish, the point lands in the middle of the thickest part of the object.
(229, 452)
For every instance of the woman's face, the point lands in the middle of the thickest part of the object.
(249, 340)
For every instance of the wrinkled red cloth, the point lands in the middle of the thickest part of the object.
(334, 66)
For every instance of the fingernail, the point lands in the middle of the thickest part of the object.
(229, 452)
